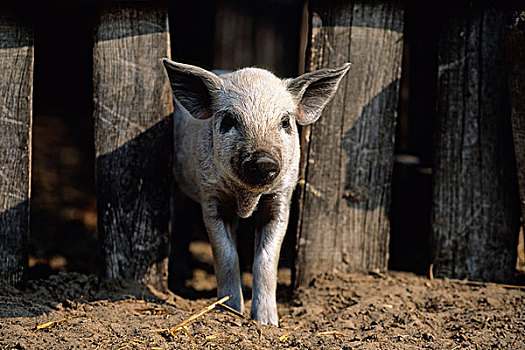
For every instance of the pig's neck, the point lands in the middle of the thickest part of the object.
(246, 203)
(240, 200)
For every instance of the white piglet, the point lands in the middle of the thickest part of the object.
(238, 155)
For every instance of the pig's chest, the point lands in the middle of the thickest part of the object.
(235, 202)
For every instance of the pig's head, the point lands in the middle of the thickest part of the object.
(254, 115)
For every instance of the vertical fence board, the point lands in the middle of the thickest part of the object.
(16, 99)
(515, 50)
(133, 141)
(344, 197)
(475, 209)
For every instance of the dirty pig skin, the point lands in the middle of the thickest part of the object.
(237, 154)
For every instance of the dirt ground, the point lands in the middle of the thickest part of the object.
(62, 309)
(396, 310)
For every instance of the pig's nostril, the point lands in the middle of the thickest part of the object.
(260, 169)
(267, 165)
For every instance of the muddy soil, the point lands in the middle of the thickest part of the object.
(396, 310)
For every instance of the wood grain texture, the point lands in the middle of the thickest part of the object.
(133, 141)
(475, 205)
(344, 196)
(16, 103)
(515, 54)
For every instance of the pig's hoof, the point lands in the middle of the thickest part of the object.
(267, 318)
(236, 303)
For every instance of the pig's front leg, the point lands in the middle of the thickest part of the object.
(272, 220)
(221, 232)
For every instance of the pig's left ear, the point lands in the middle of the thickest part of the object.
(195, 88)
(314, 90)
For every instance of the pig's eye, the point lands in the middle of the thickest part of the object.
(227, 123)
(285, 123)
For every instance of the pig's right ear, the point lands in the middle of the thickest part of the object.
(193, 87)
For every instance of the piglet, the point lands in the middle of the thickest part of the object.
(237, 155)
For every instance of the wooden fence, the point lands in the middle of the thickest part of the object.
(464, 75)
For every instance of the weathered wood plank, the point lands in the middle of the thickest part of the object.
(475, 209)
(16, 103)
(345, 193)
(515, 54)
(133, 141)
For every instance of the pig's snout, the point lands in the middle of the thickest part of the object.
(260, 169)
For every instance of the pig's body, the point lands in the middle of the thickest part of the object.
(193, 149)
(237, 154)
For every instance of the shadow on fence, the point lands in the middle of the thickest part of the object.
(132, 184)
(13, 249)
